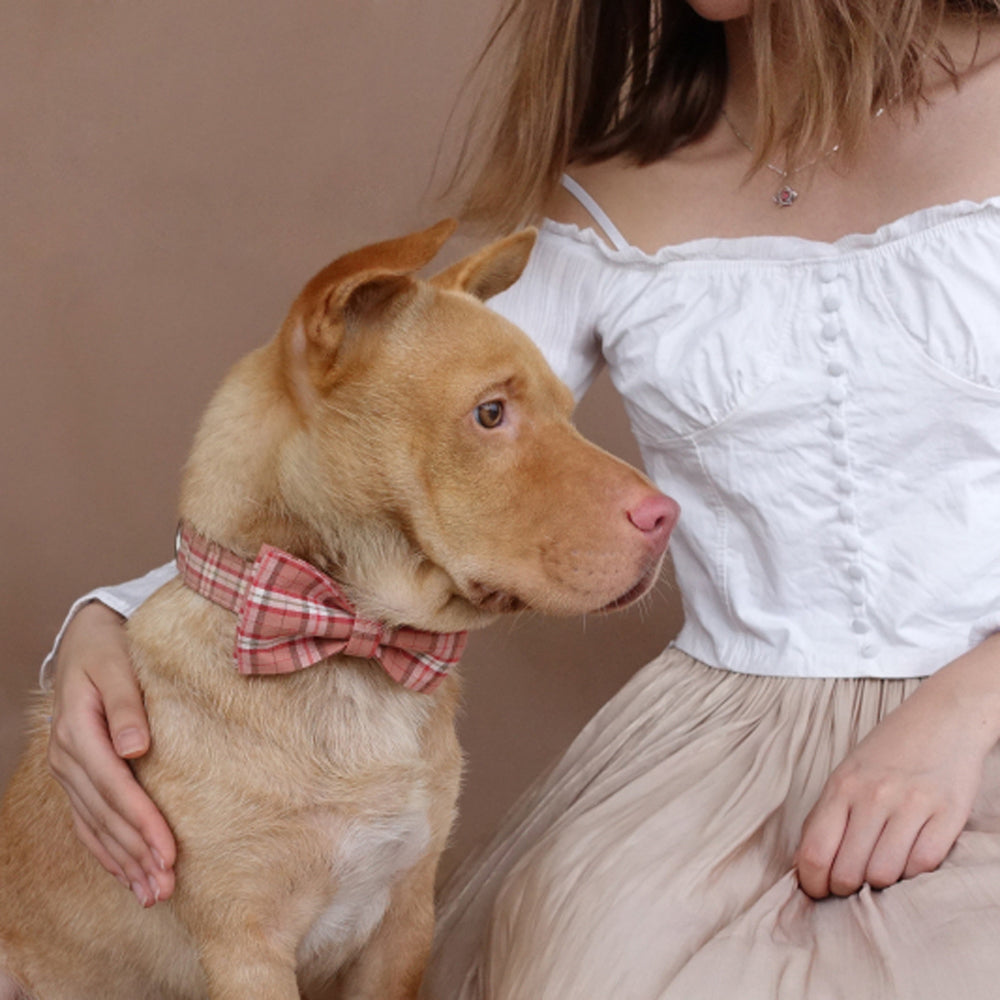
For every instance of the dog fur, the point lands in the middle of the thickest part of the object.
(310, 809)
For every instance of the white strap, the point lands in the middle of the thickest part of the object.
(596, 212)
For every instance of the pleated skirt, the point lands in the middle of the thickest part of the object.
(654, 862)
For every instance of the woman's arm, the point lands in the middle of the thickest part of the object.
(125, 598)
(98, 723)
(896, 804)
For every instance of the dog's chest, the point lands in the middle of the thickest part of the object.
(368, 859)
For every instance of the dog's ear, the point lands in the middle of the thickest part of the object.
(404, 255)
(491, 270)
(331, 291)
(356, 286)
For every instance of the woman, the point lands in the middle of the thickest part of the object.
(781, 229)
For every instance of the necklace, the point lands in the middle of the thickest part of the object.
(786, 195)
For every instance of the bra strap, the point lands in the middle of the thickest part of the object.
(596, 212)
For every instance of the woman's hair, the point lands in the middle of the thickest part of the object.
(585, 80)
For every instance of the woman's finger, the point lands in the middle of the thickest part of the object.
(822, 834)
(862, 833)
(128, 727)
(111, 803)
(117, 843)
(111, 855)
(935, 841)
(888, 860)
(121, 703)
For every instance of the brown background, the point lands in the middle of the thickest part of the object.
(171, 173)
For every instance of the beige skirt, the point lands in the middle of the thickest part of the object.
(654, 862)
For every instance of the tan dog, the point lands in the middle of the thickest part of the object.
(415, 446)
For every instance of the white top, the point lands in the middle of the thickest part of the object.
(826, 414)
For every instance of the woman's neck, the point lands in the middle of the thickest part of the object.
(950, 152)
(741, 84)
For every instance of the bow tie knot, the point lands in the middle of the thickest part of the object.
(365, 639)
(292, 616)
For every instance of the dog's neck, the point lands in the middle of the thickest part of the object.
(291, 616)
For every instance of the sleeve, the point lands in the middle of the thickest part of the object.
(124, 598)
(556, 302)
(984, 629)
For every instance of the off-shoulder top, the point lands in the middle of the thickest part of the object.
(826, 414)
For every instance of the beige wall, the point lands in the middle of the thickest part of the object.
(171, 173)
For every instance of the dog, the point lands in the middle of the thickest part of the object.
(401, 447)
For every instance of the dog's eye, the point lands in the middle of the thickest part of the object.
(490, 415)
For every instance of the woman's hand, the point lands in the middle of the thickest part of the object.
(99, 721)
(897, 803)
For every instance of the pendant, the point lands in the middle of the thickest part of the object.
(785, 198)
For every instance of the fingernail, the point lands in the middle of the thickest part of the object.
(158, 858)
(141, 893)
(129, 741)
(155, 887)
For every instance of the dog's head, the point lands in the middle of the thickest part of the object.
(409, 441)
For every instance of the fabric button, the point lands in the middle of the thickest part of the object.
(840, 456)
(830, 331)
(869, 652)
(857, 596)
(860, 626)
(837, 427)
(846, 512)
(836, 369)
(855, 572)
(844, 485)
(837, 394)
(827, 272)
(831, 302)
(852, 544)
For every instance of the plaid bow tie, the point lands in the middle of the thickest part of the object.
(291, 616)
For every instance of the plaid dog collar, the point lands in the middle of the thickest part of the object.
(291, 616)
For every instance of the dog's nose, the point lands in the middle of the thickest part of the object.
(655, 515)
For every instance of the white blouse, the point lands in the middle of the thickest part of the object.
(826, 414)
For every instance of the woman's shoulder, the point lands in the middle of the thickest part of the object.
(947, 151)
(652, 205)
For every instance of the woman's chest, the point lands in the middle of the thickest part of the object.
(908, 334)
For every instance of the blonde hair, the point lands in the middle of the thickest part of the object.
(585, 80)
